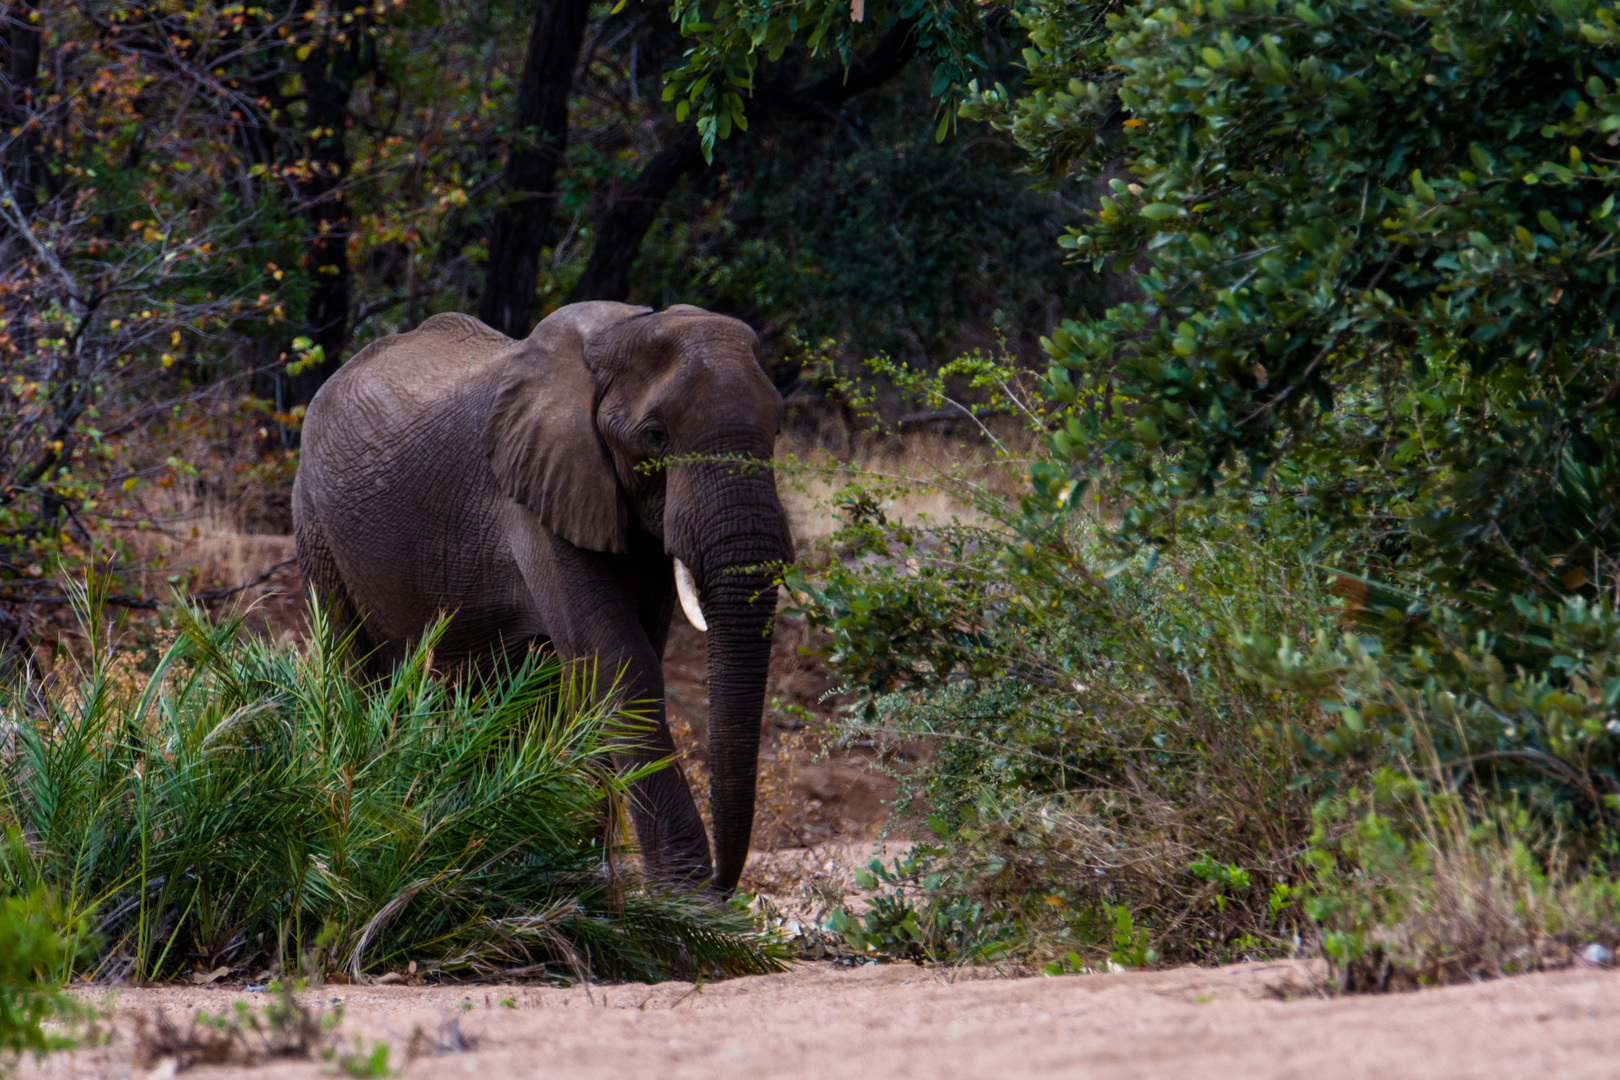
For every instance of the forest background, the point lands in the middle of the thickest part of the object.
(208, 208)
(1287, 620)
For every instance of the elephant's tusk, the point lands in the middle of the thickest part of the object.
(686, 589)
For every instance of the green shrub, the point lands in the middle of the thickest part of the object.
(252, 805)
(1135, 749)
(1099, 753)
(36, 946)
(1529, 713)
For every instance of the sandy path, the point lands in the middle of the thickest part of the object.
(903, 1021)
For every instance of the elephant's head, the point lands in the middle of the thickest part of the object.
(602, 394)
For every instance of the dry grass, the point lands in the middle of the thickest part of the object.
(810, 480)
(201, 542)
(285, 1028)
(1459, 903)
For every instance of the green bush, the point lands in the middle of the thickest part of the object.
(1530, 714)
(1441, 274)
(252, 805)
(1100, 755)
(1146, 755)
(36, 948)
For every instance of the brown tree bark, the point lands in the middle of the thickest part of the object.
(625, 224)
(523, 227)
(328, 72)
(19, 68)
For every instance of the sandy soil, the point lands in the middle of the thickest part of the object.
(821, 1020)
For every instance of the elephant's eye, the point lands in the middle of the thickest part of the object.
(657, 438)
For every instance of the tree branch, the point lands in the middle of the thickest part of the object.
(625, 224)
(141, 603)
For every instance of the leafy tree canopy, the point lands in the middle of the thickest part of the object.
(1374, 243)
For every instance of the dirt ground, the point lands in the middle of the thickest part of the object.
(899, 1020)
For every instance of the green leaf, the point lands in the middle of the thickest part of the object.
(1158, 211)
(1423, 190)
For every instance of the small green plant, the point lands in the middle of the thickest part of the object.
(1223, 876)
(913, 917)
(37, 942)
(361, 1062)
(1130, 944)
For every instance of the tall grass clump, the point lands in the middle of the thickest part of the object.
(252, 805)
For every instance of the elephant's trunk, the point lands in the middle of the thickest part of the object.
(739, 609)
(727, 527)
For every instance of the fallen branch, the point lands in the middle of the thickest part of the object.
(141, 603)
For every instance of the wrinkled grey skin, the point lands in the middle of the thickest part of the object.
(453, 469)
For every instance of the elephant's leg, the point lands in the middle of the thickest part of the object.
(319, 568)
(596, 612)
(669, 829)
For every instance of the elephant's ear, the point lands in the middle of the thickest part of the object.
(542, 440)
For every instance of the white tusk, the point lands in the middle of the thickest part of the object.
(686, 589)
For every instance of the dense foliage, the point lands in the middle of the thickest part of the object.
(204, 209)
(1372, 246)
(1371, 331)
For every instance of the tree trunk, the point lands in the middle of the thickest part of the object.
(625, 224)
(327, 73)
(523, 227)
(19, 68)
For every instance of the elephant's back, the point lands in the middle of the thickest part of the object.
(404, 417)
(392, 467)
(402, 380)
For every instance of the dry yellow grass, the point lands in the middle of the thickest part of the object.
(810, 476)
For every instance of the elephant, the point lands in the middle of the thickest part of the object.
(566, 491)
